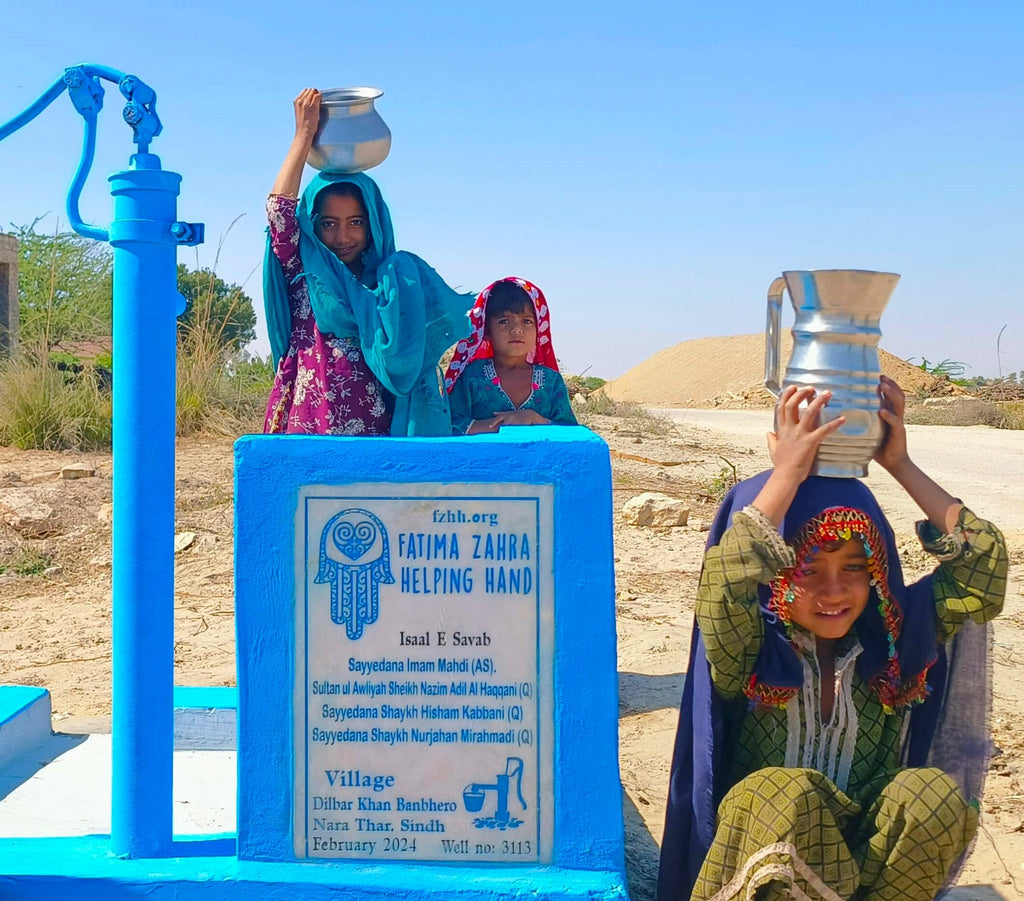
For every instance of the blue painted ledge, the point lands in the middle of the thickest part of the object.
(61, 868)
(24, 720)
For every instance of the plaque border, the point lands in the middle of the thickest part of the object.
(545, 839)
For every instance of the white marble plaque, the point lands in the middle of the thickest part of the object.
(423, 672)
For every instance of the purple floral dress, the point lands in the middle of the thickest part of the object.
(322, 385)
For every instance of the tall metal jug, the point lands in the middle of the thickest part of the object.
(835, 348)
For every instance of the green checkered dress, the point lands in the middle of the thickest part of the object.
(819, 809)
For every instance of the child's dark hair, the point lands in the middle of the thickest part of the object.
(339, 189)
(507, 297)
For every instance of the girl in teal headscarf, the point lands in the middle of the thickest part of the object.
(356, 327)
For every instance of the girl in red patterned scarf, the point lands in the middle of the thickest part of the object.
(505, 372)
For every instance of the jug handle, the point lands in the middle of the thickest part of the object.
(773, 336)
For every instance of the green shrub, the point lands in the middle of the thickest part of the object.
(714, 488)
(598, 404)
(636, 418)
(41, 408)
(24, 561)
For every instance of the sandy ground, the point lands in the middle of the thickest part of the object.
(55, 623)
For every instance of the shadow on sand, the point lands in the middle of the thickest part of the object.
(642, 693)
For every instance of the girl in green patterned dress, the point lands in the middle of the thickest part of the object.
(809, 657)
(505, 372)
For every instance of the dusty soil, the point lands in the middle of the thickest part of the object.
(55, 620)
(729, 372)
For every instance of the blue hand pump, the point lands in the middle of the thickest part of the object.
(144, 234)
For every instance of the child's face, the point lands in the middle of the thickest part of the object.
(512, 334)
(342, 227)
(831, 590)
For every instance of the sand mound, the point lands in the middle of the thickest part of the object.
(727, 372)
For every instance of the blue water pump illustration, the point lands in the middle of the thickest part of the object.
(473, 797)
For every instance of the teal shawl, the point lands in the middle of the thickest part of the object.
(402, 313)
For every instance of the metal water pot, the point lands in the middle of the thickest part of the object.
(835, 348)
(351, 137)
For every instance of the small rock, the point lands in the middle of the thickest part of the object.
(53, 570)
(105, 514)
(661, 474)
(655, 510)
(638, 440)
(27, 516)
(700, 525)
(183, 540)
(101, 561)
(77, 471)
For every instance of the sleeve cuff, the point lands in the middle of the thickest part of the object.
(765, 530)
(942, 546)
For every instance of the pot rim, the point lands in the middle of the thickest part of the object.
(345, 96)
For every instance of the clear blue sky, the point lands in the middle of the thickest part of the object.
(651, 165)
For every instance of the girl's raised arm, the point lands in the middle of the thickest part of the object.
(941, 508)
(307, 118)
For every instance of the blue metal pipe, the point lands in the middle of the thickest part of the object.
(145, 299)
(114, 75)
(27, 115)
(75, 191)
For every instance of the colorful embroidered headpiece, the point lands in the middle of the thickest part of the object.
(895, 669)
(845, 524)
(477, 347)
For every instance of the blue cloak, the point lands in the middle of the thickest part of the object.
(957, 679)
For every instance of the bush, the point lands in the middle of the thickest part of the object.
(216, 395)
(24, 561)
(597, 404)
(50, 399)
(636, 418)
(41, 408)
(1012, 415)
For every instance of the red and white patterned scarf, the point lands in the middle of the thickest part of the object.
(477, 347)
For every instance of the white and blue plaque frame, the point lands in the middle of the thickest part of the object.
(345, 567)
(424, 642)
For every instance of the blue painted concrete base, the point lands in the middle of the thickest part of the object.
(205, 718)
(83, 869)
(24, 720)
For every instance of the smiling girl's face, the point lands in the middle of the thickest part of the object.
(831, 589)
(341, 225)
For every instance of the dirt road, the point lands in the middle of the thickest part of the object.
(984, 466)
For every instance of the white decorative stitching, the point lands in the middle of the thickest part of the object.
(770, 532)
(770, 871)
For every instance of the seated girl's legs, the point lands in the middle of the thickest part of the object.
(914, 833)
(781, 832)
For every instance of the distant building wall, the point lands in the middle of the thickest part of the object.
(8, 294)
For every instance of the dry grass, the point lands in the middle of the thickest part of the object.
(42, 407)
(636, 418)
(1011, 414)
